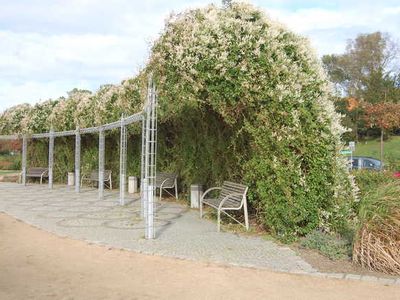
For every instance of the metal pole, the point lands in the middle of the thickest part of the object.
(51, 158)
(77, 160)
(101, 163)
(142, 167)
(150, 160)
(147, 183)
(23, 163)
(122, 162)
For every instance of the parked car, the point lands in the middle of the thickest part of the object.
(363, 162)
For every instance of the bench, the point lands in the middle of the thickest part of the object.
(94, 177)
(232, 196)
(167, 181)
(37, 172)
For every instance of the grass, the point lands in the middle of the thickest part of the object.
(5, 172)
(332, 246)
(372, 148)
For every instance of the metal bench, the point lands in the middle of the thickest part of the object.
(167, 181)
(94, 177)
(232, 196)
(37, 172)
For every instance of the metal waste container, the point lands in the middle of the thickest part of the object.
(71, 178)
(132, 185)
(196, 190)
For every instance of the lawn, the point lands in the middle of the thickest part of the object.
(5, 172)
(372, 148)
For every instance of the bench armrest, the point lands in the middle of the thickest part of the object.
(84, 176)
(209, 190)
(165, 180)
(243, 195)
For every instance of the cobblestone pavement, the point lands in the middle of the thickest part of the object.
(179, 231)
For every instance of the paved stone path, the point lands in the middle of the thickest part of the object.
(179, 231)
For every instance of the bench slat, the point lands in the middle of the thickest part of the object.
(169, 179)
(37, 172)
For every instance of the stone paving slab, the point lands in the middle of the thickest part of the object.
(180, 233)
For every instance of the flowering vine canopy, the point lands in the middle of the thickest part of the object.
(240, 97)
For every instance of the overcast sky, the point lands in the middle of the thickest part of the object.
(48, 47)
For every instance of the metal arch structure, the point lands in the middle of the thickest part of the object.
(51, 135)
(148, 119)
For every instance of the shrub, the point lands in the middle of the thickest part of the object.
(260, 97)
(10, 162)
(330, 245)
(377, 243)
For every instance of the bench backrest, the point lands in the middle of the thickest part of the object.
(37, 171)
(167, 178)
(95, 175)
(228, 188)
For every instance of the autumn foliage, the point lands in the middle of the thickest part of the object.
(384, 115)
(352, 104)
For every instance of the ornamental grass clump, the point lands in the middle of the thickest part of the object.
(377, 243)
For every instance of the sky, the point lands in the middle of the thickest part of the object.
(49, 47)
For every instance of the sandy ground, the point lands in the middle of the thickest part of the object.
(38, 265)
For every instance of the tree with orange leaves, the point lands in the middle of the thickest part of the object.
(383, 115)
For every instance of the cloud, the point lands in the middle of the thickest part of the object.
(329, 28)
(49, 47)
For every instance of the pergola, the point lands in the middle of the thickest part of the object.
(148, 120)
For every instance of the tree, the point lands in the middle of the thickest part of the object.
(366, 71)
(384, 115)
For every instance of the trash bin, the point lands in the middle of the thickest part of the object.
(196, 190)
(71, 178)
(132, 185)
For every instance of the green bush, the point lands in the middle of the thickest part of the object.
(329, 245)
(10, 162)
(368, 180)
(243, 98)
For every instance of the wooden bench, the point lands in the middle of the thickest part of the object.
(37, 172)
(94, 177)
(167, 181)
(232, 196)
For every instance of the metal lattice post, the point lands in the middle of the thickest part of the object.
(51, 158)
(142, 167)
(122, 163)
(24, 154)
(150, 160)
(77, 160)
(101, 163)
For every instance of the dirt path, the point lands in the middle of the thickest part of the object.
(37, 265)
